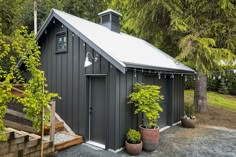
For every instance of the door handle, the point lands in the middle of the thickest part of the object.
(90, 110)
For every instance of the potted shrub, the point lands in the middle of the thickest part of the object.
(133, 143)
(146, 99)
(189, 120)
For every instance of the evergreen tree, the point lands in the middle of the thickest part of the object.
(200, 33)
(223, 89)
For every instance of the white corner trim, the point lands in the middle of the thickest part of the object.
(117, 150)
(99, 145)
(164, 128)
(176, 123)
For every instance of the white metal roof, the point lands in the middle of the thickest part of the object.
(109, 10)
(123, 49)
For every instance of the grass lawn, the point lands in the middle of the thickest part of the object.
(227, 102)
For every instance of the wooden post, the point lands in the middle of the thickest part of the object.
(52, 129)
(35, 17)
(42, 124)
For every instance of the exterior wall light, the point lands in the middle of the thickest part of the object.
(87, 62)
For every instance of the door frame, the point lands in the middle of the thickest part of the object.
(89, 79)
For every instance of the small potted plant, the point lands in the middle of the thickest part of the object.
(146, 99)
(189, 120)
(133, 143)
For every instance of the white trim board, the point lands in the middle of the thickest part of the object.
(164, 128)
(117, 150)
(99, 145)
(176, 123)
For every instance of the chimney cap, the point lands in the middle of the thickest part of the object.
(108, 11)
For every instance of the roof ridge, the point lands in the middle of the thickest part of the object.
(117, 48)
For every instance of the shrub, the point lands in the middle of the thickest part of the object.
(231, 83)
(146, 99)
(133, 136)
(223, 89)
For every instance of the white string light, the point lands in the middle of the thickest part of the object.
(159, 76)
(212, 75)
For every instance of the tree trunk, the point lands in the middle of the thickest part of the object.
(200, 93)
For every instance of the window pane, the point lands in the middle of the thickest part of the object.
(61, 42)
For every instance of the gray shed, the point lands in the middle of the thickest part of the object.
(94, 66)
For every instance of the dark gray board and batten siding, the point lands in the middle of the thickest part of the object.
(67, 76)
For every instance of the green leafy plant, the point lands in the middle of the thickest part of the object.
(133, 136)
(146, 99)
(189, 110)
(36, 97)
(223, 89)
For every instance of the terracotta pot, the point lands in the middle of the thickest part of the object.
(150, 138)
(188, 123)
(134, 149)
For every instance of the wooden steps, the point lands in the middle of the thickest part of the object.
(20, 143)
(71, 141)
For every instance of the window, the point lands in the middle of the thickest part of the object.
(61, 39)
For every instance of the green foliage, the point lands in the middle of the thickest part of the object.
(223, 89)
(189, 109)
(82, 8)
(5, 97)
(8, 13)
(199, 32)
(133, 136)
(231, 82)
(23, 46)
(213, 84)
(150, 20)
(201, 53)
(146, 99)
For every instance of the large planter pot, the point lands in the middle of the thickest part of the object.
(188, 123)
(134, 149)
(150, 138)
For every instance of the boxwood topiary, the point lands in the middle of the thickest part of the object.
(133, 136)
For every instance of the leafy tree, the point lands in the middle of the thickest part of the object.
(208, 40)
(151, 20)
(8, 15)
(87, 9)
(25, 47)
(200, 32)
(26, 11)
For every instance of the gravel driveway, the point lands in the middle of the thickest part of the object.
(177, 142)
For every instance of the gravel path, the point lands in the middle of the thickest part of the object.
(177, 142)
(85, 150)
